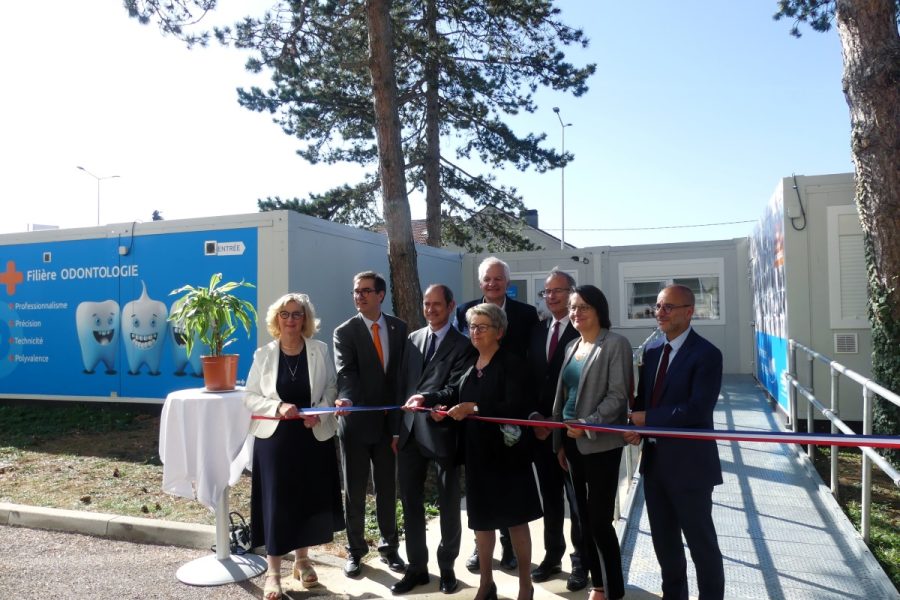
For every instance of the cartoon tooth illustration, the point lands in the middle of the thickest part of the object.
(97, 324)
(144, 327)
(180, 352)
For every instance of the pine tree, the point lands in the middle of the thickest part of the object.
(870, 43)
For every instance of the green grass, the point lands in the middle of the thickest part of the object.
(884, 537)
(27, 425)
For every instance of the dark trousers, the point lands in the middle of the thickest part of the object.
(556, 490)
(595, 478)
(359, 461)
(671, 513)
(413, 463)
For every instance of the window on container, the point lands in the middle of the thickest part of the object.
(641, 297)
(706, 295)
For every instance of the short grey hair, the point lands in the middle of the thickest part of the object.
(493, 312)
(488, 263)
(557, 272)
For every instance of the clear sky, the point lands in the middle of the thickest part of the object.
(698, 108)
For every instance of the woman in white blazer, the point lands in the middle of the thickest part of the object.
(295, 499)
(593, 388)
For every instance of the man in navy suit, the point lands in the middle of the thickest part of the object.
(368, 355)
(546, 350)
(678, 387)
(493, 279)
(436, 356)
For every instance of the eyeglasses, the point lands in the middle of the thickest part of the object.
(579, 308)
(479, 328)
(667, 308)
(554, 291)
(296, 315)
(362, 292)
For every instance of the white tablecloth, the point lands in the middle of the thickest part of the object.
(203, 443)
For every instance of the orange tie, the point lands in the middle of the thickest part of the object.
(378, 348)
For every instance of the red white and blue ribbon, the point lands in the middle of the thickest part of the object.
(728, 435)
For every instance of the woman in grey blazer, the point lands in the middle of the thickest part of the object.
(295, 498)
(593, 388)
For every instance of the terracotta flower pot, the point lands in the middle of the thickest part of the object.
(220, 372)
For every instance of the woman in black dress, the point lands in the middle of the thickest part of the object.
(500, 487)
(295, 499)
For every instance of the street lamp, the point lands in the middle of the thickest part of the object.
(562, 236)
(99, 179)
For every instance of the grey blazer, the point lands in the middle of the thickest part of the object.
(602, 392)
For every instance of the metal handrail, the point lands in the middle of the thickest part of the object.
(869, 389)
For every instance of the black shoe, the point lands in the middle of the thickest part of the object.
(353, 566)
(577, 580)
(508, 560)
(545, 571)
(409, 581)
(393, 561)
(472, 562)
(492, 593)
(449, 583)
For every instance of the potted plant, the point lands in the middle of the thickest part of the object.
(212, 314)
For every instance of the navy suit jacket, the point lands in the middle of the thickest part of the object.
(690, 392)
(520, 317)
(361, 378)
(452, 358)
(545, 373)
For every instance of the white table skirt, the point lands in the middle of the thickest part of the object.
(204, 443)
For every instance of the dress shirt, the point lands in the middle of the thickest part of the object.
(676, 344)
(382, 334)
(563, 323)
(440, 334)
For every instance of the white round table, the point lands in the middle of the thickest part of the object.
(204, 447)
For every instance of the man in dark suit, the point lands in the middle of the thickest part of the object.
(678, 387)
(368, 355)
(493, 279)
(546, 351)
(436, 355)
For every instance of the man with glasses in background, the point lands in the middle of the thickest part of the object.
(678, 387)
(493, 279)
(368, 355)
(546, 351)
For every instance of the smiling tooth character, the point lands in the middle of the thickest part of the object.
(144, 328)
(97, 324)
(179, 351)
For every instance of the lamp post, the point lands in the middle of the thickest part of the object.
(99, 179)
(562, 235)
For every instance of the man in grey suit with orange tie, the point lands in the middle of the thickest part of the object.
(678, 387)
(368, 355)
(436, 356)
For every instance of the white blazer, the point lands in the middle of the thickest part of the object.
(262, 398)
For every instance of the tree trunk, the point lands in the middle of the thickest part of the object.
(871, 50)
(432, 129)
(407, 292)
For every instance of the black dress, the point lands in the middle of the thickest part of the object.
(295, 498)
(500, 486)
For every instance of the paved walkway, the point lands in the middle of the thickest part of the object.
(782, 536)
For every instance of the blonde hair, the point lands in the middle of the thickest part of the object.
(310, 323)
